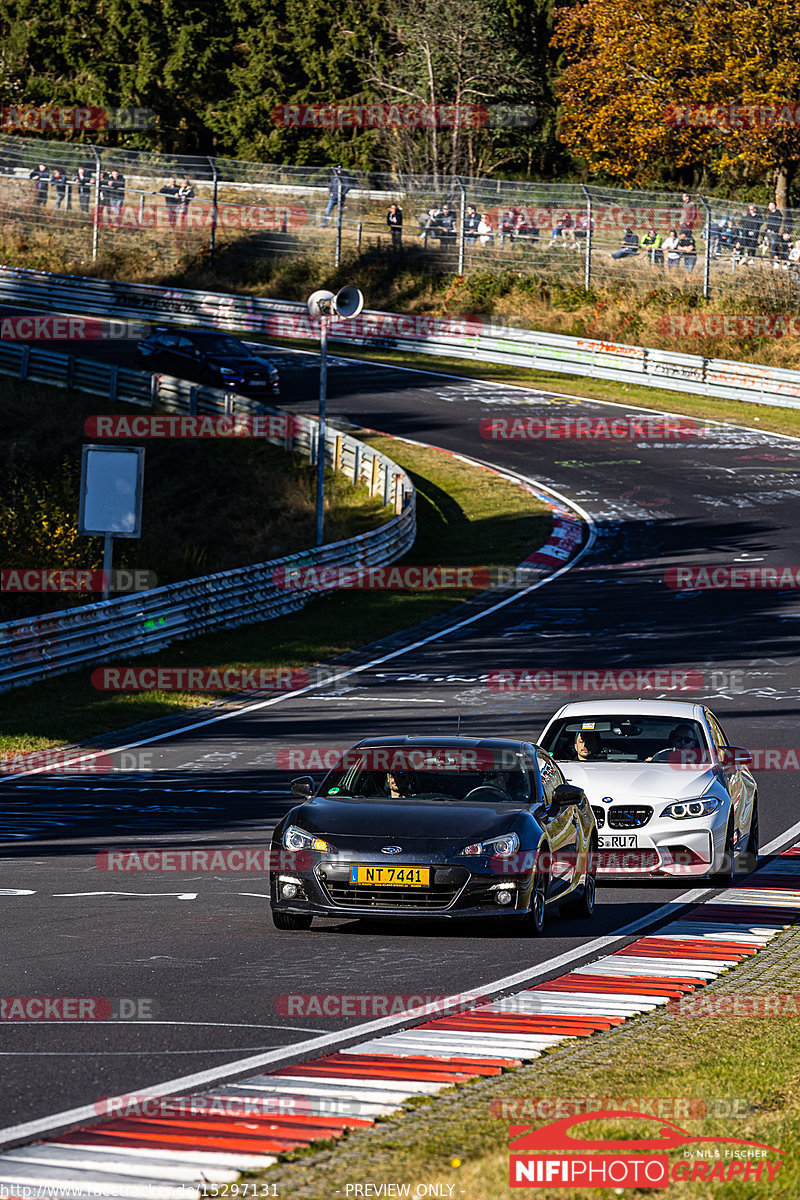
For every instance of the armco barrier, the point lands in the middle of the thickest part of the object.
(718, 378)
(33, 649)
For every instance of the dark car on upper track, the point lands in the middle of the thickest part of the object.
(435, 827)
(209, 357)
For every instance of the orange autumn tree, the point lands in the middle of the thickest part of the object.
(626, 72)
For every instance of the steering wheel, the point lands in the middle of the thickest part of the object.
(489, 787)
(659, 755)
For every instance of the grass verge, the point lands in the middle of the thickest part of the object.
(210, 504)
(466, 516)
(745, 1069)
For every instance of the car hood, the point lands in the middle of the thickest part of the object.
(244, 364)
(635, 782)
(396, 820)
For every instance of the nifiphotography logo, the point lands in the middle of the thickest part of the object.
(551, 1156)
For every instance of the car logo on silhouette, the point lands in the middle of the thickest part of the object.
(391, 849)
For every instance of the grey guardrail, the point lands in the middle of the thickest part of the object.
(723, 379)
(91, 634)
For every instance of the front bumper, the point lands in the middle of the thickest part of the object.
(456, 890)
(664, 847)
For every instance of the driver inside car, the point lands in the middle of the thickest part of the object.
(588, 745)
(681, 741)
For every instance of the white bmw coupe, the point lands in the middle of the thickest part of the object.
(671, 795)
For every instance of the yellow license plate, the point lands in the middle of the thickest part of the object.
(391, 876)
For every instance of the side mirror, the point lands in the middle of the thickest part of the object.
(735, 756)
(302, 787)
(563, 796)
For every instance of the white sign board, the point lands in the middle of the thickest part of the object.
(111, 491)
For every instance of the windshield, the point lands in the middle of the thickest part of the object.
(221, 344)
(399, 772)
(627, 739)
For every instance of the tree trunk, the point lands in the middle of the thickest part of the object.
(782, 186)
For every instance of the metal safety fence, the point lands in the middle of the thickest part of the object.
(468, 338)
(38, 648)
(81, 201)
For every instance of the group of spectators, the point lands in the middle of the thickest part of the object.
(441, 223)
(111, 193)
(769, 230)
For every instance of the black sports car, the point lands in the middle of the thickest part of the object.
(435, 827)
(209, 357)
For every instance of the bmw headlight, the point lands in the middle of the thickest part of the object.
(507, 844)
(298, 839)
(683, 810)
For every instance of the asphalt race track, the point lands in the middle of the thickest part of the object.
(200, 949)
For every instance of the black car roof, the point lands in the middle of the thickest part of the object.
(468, 742)
(191, 331)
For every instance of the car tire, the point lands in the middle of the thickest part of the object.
(724, 878)
(751, 851)
(284, 920)
(582, 907)
(536, 917)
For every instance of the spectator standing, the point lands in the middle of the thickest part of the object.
(630, 244)
(338, 187)
(394, 219)
(116, 193)
(749, 226)
(690, 217)
(185, 197)
(104, 197)
(772, 225)
(471, 223)
(42, 177)
(59, 182)
(670, 248)
(170, 192)
(651, 242)
(687, 250)
(83, 184)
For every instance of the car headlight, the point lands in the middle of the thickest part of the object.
(684, 810)
(507, 844)
(298, 839)
(228, 373)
